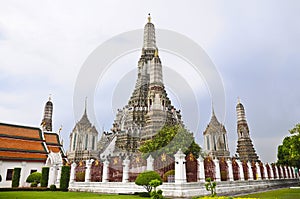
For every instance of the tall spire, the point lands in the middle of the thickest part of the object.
(47, 119)
(245, 148)
(149, 35)
(85, 106)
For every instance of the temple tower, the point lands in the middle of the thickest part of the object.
(83, 140)
(47, 119)
(148, 108)
(245, 148)
(215, 139)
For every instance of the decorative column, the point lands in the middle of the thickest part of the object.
(88, 164)
(73, 173)
(230, 172)
(105, 171)
(250, 172)
(217, 170)
(180, 170)
(150, 162)
(125, 177)
(258, 175)
(241, 170)
(201, 171)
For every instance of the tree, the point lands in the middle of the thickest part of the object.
(144, 179)
(289, 151)
(169, 140)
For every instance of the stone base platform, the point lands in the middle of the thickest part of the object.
(184, 190)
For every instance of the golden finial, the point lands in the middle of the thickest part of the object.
(156, 53)
(239, 100)
(60, 128)
(50, 97)
(149, 18)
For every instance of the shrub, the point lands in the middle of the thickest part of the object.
(157, 194)
(211, 186)
(16, 177)
(35, 178)
(167, 174)
(65, 178)
(45, 177)
(33, 184)
(143, 179)
(53, 187)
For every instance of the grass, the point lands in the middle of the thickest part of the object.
(60, 195)
(277, 194)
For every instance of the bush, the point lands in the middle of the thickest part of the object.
(167, 174)
(211, 186)
(143, 179)
(35, 177)
(53, 187)
(33, 184)
(157, 194)
(45, 177)
(65, 178)
(16, 177)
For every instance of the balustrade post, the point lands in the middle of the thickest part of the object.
(105, 171)
(150, 162)
(180, 168)
(241, 170)
(88, 165)
(258, 174)
(271, 172)
(73, 173)
(250, 171)
(125, 177)
(217, 170)
(201, 171)
(230, 171)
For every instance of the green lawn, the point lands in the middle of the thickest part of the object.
(59, 195)
(278, 194)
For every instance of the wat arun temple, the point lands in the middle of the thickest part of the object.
(147, 111)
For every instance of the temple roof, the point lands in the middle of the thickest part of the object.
(23, 143)
(214, 125)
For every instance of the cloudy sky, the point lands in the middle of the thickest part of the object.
(254, 46)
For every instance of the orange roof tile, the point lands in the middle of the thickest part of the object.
(20, 131)
(51, 138)
(12, 144)
(8, 155)
(54, 149)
